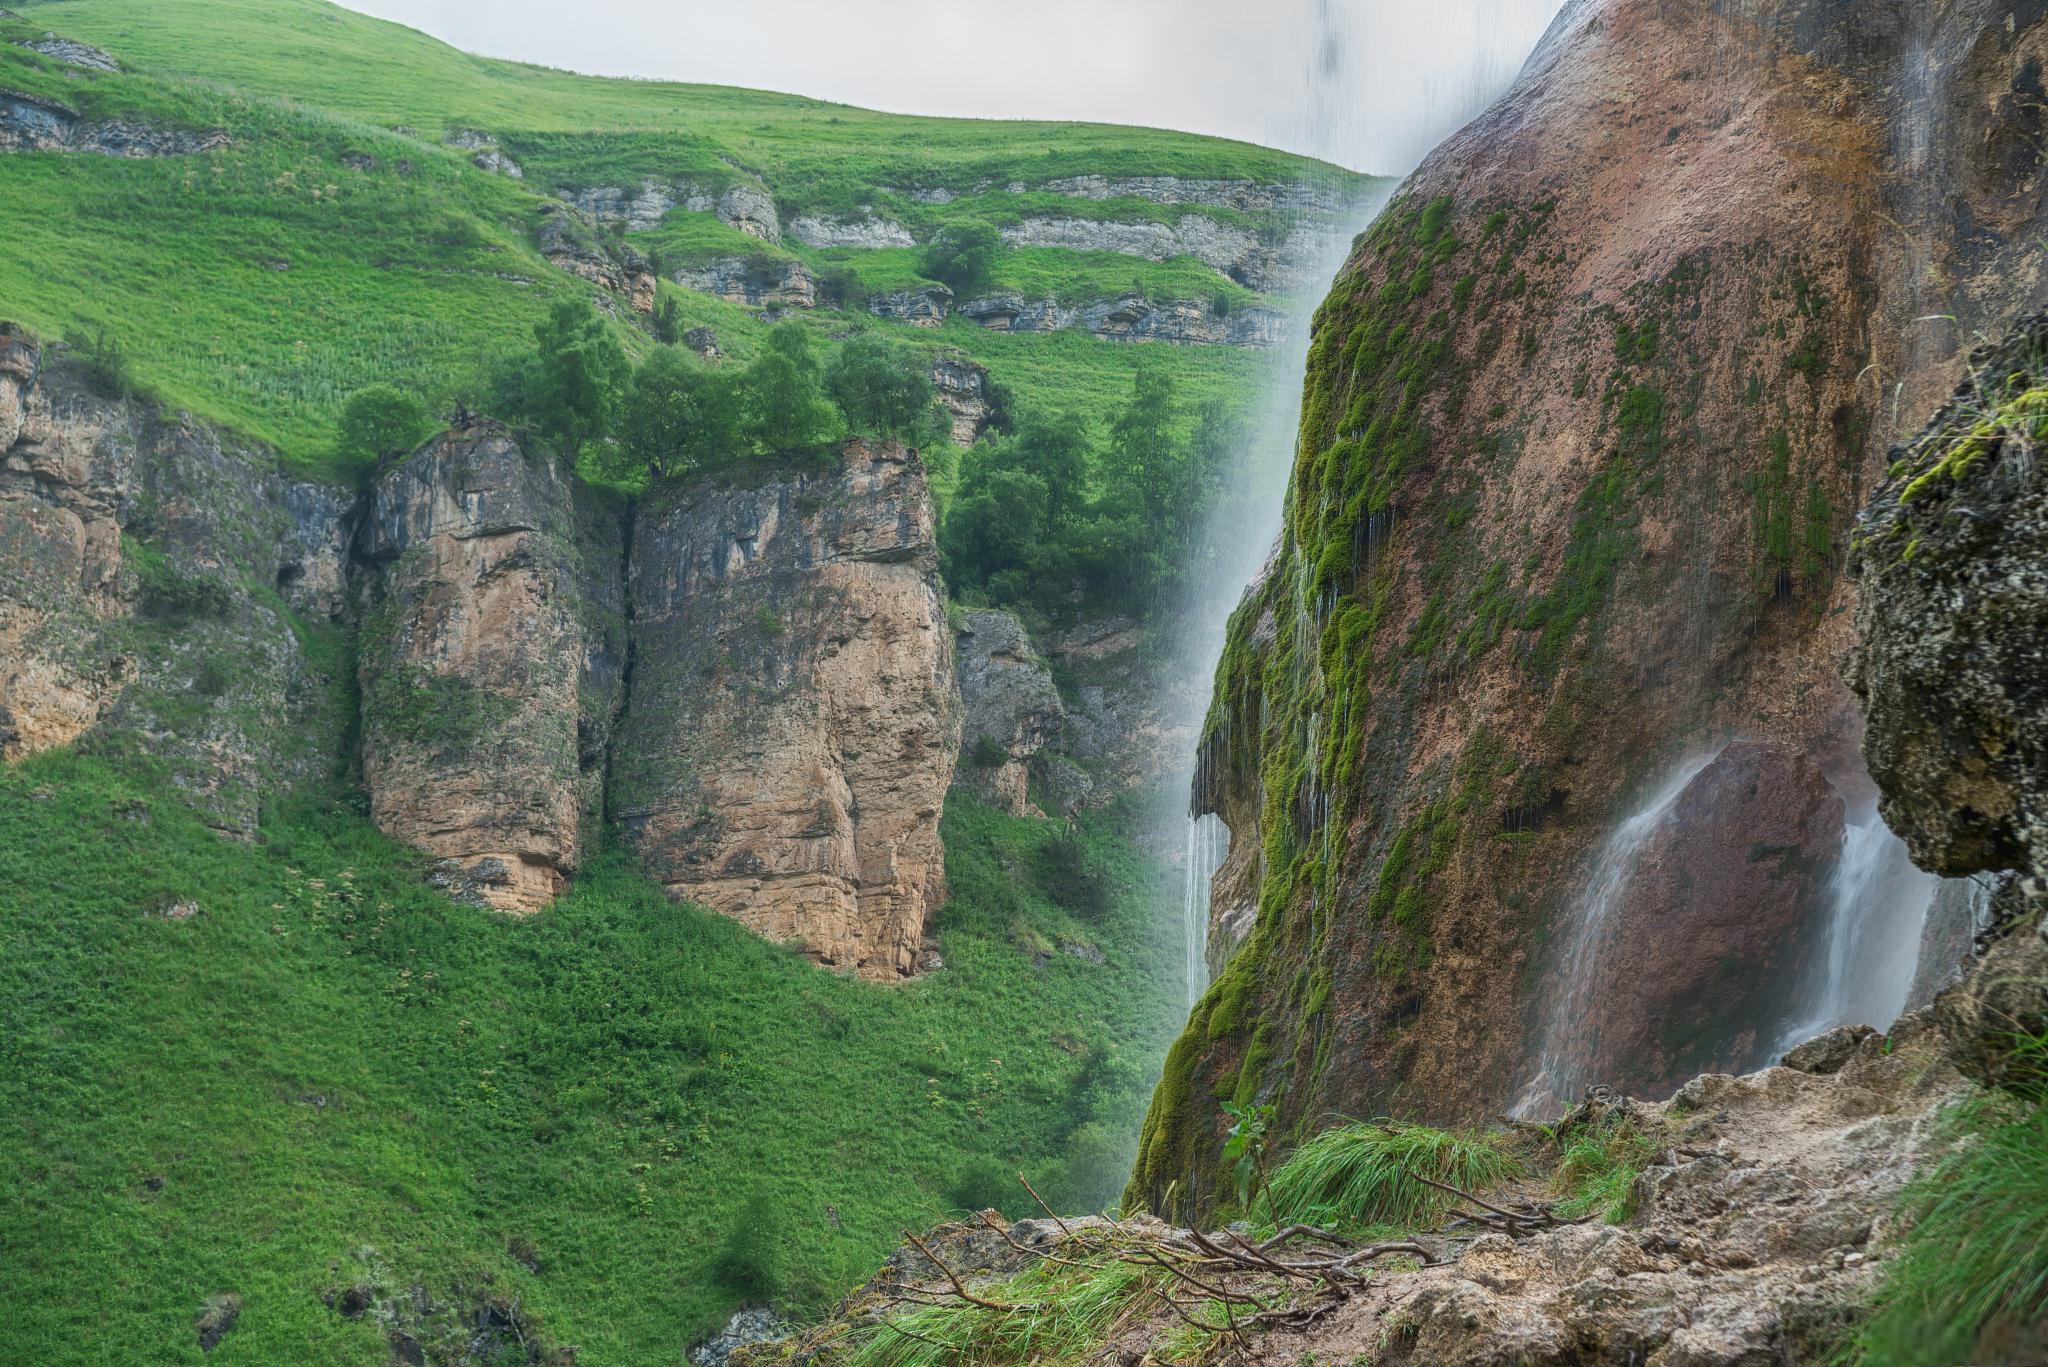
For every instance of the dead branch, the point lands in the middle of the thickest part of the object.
(960, 1287)
(1044, 1207)
(1303, 1232)
(1011, 1240)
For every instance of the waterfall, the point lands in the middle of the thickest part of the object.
(1877, 907)
(1208, 842)
(1559, 1079)
(1447, 63)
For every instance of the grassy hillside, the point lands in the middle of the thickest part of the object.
(338, 243)
(330, 1077)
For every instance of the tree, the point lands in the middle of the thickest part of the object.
(994, 527)
(786, 408)
(1144, 443)
(881, 388)
(380, 421)
(576, 376)
(668, 319)
(963, 256)
(1061, 451)
(677, 416)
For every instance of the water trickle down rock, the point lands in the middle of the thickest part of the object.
(469, 666)
(1706, 920)
(792, 723)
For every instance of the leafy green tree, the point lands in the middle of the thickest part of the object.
(1061, 451)
(962, 256)
(1144, 445)
(786, 409)
(995, 527)
(381, 421)
(881, 388)
(573, 386)
(677, 416)
(668, 319)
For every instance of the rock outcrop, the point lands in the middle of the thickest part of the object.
(968, 394)
(924, 307)
(1587, 414)
(1951, 662)
(1246, 196)
(71, 52)
(29, 123)
(1230, 251)
(470, 666)
(761, 282)
(486, 155)
(869, 233)
(572, 244)
(1012, 709)
(1133, 318)
(131, 620)
(741, 205)
(791, 725)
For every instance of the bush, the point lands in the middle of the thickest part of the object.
(380, 421)
(962, 256)
(104, 363)
(986, 1183)
(1070, 875)
(839, 286)
(753, 1262)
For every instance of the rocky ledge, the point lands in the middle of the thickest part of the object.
(29, 123)
(1759, 1229)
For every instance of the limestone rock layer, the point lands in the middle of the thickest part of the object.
(792, 724)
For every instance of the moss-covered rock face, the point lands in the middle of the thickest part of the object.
(1951, 661)
(1585, 418)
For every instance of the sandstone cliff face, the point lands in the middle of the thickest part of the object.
(469, 666)
(1012, 709)
(1586, 416)
(132, 613)
(1951, 662)
(791, 724)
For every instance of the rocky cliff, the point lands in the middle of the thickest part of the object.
(752, 673)
(791, 729)
(145, 610)
(1586, 417)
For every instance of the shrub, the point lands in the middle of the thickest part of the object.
(840, 287)
(753, 1262)
(100, 356)
(1365, 1174)
(784, 398)
(380, 421)
(962, 256)
(986, 1183)
(1071, 876)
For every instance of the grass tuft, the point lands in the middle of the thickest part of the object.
(1597, 1168)
(1358, 1175)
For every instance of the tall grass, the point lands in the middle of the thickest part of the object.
(1597, 1168)
(1971, 1283)
(1075, 1308)
(1360, 1175)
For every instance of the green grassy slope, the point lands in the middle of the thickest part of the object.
(257, 286)
(331, 1076)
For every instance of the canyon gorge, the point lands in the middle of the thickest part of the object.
(615, 695)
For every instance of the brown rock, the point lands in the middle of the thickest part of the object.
(469, 666)
(792, 725)
(1706, 927)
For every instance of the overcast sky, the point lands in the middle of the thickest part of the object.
(1370, 83)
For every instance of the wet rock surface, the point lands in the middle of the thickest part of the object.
(763, 282)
